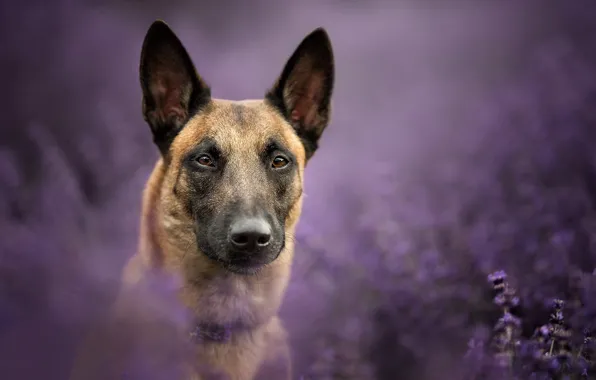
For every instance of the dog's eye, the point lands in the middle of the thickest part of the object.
(205, 160)
(279, 162)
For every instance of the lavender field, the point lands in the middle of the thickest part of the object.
(463, 142)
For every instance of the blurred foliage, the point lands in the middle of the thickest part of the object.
(418, 194)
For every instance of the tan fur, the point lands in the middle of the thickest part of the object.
(186, 314)
(167, 245)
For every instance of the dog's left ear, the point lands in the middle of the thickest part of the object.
(172, 89)
(303, 91)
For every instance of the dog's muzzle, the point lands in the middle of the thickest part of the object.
(250, 244)
(244, 243)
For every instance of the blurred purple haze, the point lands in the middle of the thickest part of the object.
(461, 143)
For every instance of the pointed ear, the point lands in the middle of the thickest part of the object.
(303, 91)
(172, 90)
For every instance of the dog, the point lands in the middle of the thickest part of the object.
(218, 218)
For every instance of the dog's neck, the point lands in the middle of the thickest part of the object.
(203, 332)
(160, 289)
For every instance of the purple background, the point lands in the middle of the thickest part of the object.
(462, 142)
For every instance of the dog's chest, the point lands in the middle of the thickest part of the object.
(237, 359)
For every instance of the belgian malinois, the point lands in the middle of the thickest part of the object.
(219, 213)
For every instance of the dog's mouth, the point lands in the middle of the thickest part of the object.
(244, 267)
(246, 264)
(240, 264)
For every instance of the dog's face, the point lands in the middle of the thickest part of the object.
(235, 168)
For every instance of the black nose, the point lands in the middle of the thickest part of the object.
(250, 234)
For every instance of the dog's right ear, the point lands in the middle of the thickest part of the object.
(172, 90)
(302, 93)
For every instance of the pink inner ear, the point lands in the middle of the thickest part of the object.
(168, 95)
(306, 99)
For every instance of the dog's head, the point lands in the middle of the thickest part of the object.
(234, 170)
